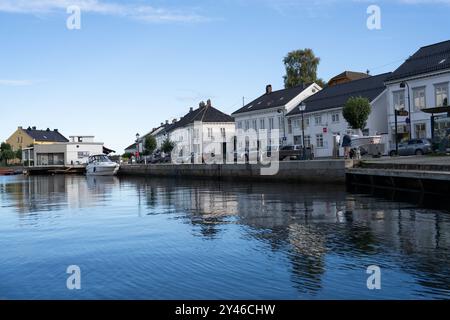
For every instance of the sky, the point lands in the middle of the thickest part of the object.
(134, 64)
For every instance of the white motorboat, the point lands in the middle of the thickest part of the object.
(101, 165)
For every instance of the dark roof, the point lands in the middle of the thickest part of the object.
(272, 100)
(427, 59)
(350, 75)
(336, 96)
(46, 135)
(205, 114)
(132, 146)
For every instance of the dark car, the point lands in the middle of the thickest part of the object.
(412, 147)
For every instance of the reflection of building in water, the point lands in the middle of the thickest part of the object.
(52, 193)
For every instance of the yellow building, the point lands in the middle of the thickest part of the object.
(23, 138)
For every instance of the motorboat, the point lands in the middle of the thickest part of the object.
(101, 165)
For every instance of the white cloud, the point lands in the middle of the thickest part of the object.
(15, 83)
(140, 12)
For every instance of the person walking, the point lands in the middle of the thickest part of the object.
(346, 144)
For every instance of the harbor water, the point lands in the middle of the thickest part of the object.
(137, 238)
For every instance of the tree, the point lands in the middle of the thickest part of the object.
(301, 68)
(18, 154)
(149, 145)
(167, 146)
(356, 112)
(6, 153)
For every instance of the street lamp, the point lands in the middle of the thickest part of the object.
(302, 108)
(403, 85)
(396, 110)
(137, 146)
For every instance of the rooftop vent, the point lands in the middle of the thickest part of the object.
(269, 89)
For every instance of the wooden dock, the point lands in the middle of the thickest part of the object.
(51, 170)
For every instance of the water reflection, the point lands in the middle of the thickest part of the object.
(323, 235)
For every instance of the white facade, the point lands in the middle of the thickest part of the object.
(322, 127)
(63, 154)
(271, 118)
(201, 138)
(425, 91)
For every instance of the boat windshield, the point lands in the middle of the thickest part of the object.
(99, 158)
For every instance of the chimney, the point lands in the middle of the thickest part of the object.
(34, 128)
(167, 121)
(56, 130)
(162, 123)
(208, 103)
(191, 109)
(20, 128)
(269, 89)
(48, 129)
(174, 120)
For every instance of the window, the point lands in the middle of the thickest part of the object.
(319, 140)
(306, 122)
(262, 124)
(399, 100)
(335, 118)
(307, 141)
(239, 124)
(210, 133)
(255, 124)
(420, 130)
(318, 120)
(441, 92)
(223, 132)
(289, 126)
(296, 123)
(271, 124)
(196, 134)
(247, 124)
(419, 98)
(83, 154)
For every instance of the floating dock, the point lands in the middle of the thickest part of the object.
(49, 170)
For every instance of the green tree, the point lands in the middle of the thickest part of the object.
(149, 145)
(356, 112)
(301, 68)
(19, 154)
(6, 153)
(167, 146)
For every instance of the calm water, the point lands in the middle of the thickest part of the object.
(168, 239)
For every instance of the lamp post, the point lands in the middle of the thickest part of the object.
(302, 108)
(137, 146)
(403, 85)
(396, 129)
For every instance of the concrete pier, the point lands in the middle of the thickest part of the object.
(418, 174)
(318, 171)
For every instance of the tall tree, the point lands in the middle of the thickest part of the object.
(356, 112)
(301, 68)
(149, 145)
(6, 153)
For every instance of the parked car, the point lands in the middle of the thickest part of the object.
(412, 147)
(293, 152)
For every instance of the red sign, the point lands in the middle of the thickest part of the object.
(325, 130)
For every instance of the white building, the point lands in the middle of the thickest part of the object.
(323, 118)
(268, 112)
(74, 152)
(421, 84)
(200, 133)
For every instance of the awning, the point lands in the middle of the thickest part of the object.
(437, 110)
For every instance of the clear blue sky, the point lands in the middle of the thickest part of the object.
(136, 63)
